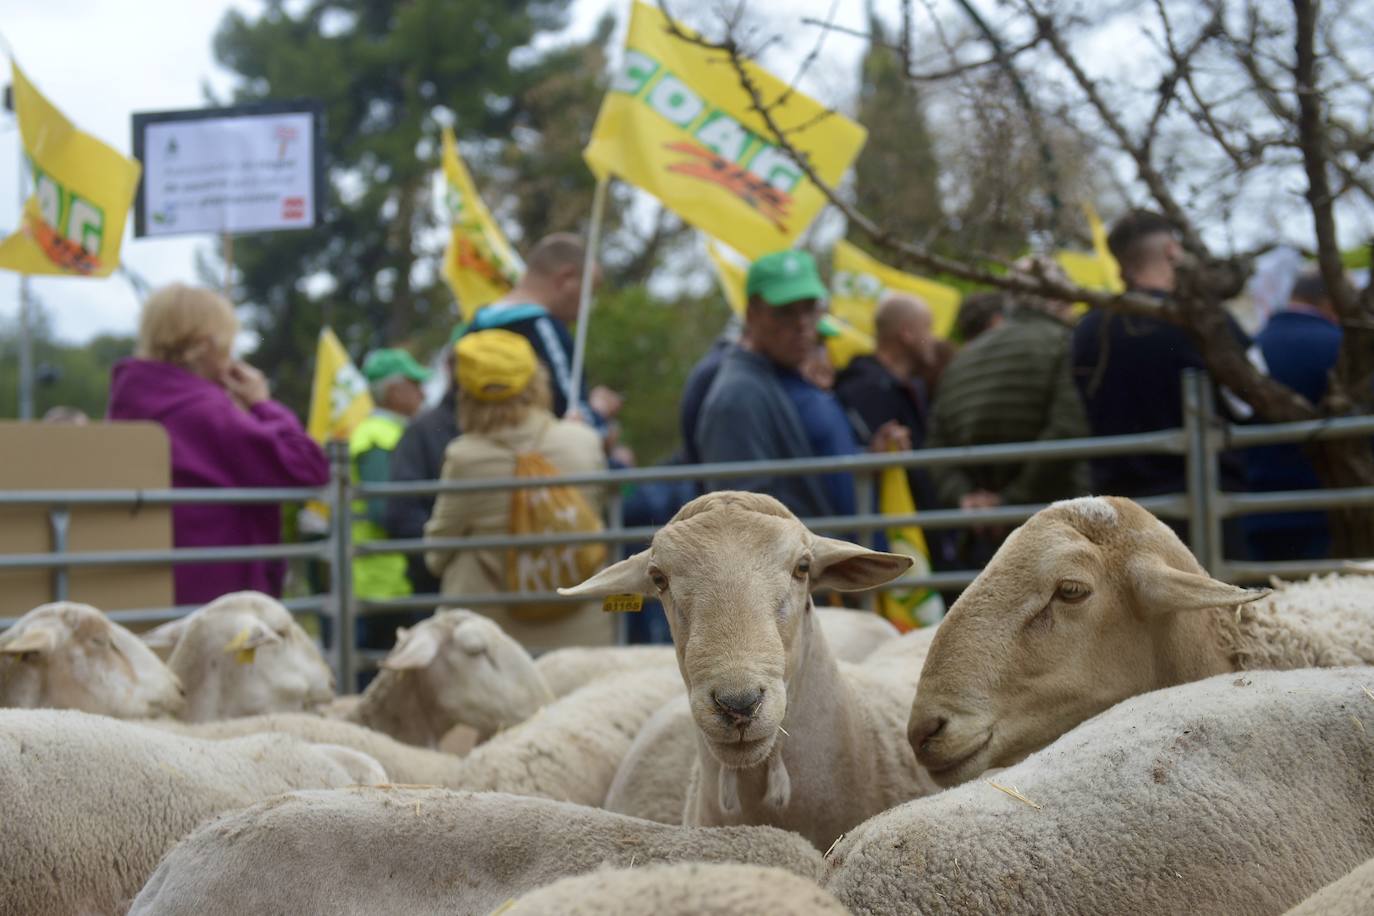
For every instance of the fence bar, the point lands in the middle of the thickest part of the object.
(1243, 573)
(137, 498)
(1233, 504)
(1211, 470)
(1194, 464)
(161, 557)
(60, 523)
(341, 565)
(1303, 431)
(615, 513)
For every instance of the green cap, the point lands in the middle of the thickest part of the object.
(827, 327)
(391, 361)
(784, 277)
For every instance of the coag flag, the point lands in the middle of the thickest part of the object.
(73, 224)
(906, 608)
(676, 123)
(843, 341)
(1095, 270)
(730, 275)
(479, 263)
(858, 281)
(339, 397)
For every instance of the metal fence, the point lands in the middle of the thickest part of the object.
(1203, 505)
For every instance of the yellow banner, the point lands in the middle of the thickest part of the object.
(339, 397)
(858, 281)
(73, 224)
(676, 123)
(908, 608)
(479, 263)
(730, 276)
(1095, 270)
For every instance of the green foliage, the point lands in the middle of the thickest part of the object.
(644, 347)
(72, 376)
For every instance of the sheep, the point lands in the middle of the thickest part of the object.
(652, 779)
(67, 655)
(784, 738)
(1095, 600)
(685, 889)
(1352, 895)
(92, 803)
(363, 851)
(1236, 794)
(242, 655)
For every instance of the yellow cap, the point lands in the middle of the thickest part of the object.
(494, 365)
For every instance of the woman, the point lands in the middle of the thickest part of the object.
(504, 403)
(225, 432)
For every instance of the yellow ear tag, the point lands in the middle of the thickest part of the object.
(245, 656)
(623, 604)
(242, 655)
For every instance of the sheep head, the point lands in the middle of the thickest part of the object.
(71, 656)
(735, 572)
(1090, 602)
(470, 670)
(244, 655)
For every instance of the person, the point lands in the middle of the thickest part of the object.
(540, 308)
(1012, 384)
(70, 416)
(419, 455)
(698, 383)
(1128, 368)
(225, 431)
(504, 400)
(980, 313)
(1300, 345)
(760, 408)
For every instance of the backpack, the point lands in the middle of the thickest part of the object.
(554, 509)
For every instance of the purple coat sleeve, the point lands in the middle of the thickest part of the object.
(267, 447)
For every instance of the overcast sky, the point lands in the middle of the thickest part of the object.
(114, 64)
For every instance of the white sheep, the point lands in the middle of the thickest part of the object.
(242, 655)
(67, 655)
(365, 851)
(686, 889)
(1352, 895)
(1095, 600)
(784, 738)
(92, 803)
(1237, 794)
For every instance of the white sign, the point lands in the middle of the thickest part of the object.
(245, 173)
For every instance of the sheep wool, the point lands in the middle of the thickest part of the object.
(367, 851)
(1352, 895)
(1241, 793)
(1322, 622)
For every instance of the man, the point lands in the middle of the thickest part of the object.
(760, 408)
(1012, 384)
(419, 455)
(1300, 345)
(395, 379)
(1129, 368)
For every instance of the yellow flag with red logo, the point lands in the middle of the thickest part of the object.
(730, 275)
(339, 397)
(859, 281)
(1096, 269)
(73, 223)
(677, 123)
(480, 264)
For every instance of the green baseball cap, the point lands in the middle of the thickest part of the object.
(784, 277)
(391, 361)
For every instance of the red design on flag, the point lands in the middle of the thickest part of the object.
(770, 202)
(293, 208)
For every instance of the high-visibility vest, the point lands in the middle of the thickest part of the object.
(380, 575)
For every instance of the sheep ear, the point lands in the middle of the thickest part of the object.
(628, 577)
(164, 639)
(1160, 588)
(418, 649)
(847, 567)
(33, 639)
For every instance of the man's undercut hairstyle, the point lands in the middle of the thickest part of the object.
(1310, 288)
(978, 311)
(1134, 240)
(555, 252)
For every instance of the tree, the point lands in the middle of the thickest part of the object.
(1241, 99)
(72, 376)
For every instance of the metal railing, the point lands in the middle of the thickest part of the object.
(1203, 505)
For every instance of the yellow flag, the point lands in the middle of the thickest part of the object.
(859, 281)
(843, 341)
(73, 224)
(907, 608)
(676, 123)
(339, 398)
(479, 263)
(730, 276)
(1095, 270)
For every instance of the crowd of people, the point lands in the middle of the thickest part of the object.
(1023, 370)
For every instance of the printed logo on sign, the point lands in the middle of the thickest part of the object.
(293, 208)
(285, 133)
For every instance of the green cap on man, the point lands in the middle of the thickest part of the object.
(385, 363)
(784, 277)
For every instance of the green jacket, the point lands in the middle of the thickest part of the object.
(374, 439)
(1012, 384)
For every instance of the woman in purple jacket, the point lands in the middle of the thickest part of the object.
(225, 431)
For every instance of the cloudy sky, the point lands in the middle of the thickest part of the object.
(114, 64)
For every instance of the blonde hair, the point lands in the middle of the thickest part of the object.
(179, 323)
(476, 416)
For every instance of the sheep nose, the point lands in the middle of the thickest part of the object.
(922, 731)
(740, 706)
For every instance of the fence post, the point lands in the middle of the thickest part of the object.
(60, 523)
(1211, 474)
(1195, 462)
(341, 565)
(865, 500)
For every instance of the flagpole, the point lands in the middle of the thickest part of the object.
(584, 302)
(25, 317)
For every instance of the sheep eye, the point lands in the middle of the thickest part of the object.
(803, 569)
(1071, 592)
(659, 580)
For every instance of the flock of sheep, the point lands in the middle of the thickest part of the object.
(1097, 727)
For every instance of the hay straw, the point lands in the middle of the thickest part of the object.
(503, 907)
(1011, 790)
(1367, 692)
(832, 846)
(1356, 720)
(784, 731)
